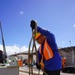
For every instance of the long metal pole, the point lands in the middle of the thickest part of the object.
(4, 49)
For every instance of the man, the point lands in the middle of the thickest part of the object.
(48, 56)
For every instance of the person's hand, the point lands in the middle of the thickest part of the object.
(33, 24)
(38, 66)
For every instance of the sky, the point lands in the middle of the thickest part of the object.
(58, 16)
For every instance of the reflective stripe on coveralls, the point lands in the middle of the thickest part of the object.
(47, 52)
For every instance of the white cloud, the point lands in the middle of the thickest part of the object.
(14, 49)
(63, 42)
(21, 12)
(74, 25)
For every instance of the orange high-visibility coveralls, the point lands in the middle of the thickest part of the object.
(20, 63)
(63, 62)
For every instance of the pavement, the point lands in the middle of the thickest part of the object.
(25, 71)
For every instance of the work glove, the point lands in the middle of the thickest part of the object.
(33, 24)
(38, 66)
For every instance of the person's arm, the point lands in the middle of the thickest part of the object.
(46, 33)
(38, 61)
(39, 57)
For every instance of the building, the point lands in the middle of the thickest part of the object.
(68, 53)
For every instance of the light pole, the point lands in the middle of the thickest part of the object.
(72, 53)
(70, 43)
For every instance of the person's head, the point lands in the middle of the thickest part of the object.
(39, 38)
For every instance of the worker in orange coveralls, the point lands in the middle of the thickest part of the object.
(48, 56)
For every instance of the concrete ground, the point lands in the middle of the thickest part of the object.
(21, 73)
(25, 71)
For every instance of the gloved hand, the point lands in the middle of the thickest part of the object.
(33, 24)
(38, 66)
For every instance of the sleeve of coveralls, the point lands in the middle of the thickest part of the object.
(39, 57)
(46, 33)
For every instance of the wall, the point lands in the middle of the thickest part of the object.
(69, 54)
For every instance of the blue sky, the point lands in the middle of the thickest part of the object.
(58, 16)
